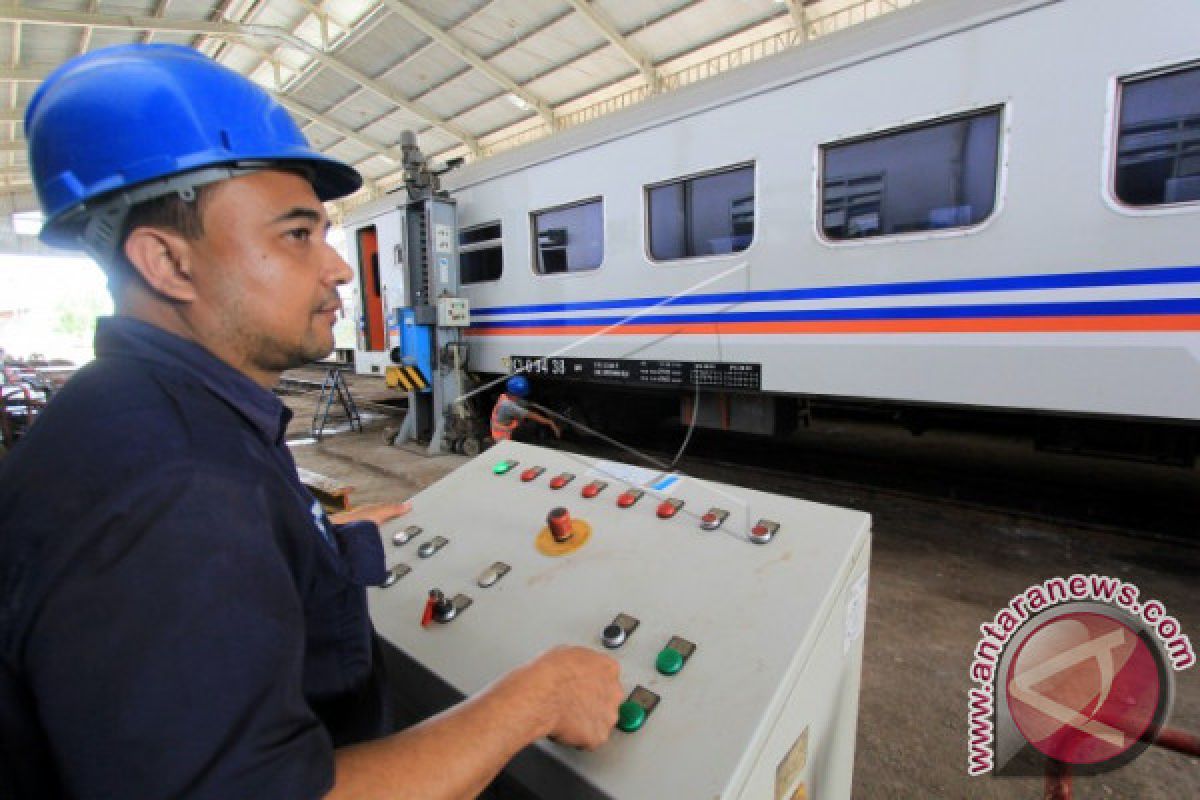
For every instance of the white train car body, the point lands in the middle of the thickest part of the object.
(1060, 297)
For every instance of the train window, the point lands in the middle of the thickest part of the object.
(480, 253)
(929, 177)
(701, 216)
(1158, 141)
(569, 238)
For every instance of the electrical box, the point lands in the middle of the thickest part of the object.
(737, 618)
(453, 312)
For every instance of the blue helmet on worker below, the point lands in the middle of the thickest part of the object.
(518, 385)
(122, 119)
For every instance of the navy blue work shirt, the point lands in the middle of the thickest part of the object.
(178, 618)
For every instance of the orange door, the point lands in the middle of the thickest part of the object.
(370, 288)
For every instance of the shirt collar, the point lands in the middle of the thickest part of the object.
(132, 338)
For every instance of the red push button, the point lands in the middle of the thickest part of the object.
(667, 508)
(532, 474)
(763, 531)
(594, 488)
(561, 480)
(629, 497)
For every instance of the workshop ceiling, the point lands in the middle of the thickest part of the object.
(469, 77)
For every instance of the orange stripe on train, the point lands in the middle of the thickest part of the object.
(1145, 323)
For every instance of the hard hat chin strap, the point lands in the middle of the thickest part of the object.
(105, 219)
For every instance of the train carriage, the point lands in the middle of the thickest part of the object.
(968, 204)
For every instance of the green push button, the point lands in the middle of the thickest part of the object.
(503, 467)
(630, 716)
(669, 661)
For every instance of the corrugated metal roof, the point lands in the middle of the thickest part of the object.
(357, 73)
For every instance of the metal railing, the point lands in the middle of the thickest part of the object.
(719, 64)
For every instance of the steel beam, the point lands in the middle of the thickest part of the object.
(447, 40)
(228, 30)
(602, 24)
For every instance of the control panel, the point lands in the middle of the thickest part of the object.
(736, 615)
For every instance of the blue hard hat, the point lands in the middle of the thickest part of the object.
(518, 385)
(133, 115)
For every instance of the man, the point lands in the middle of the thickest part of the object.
(178, 618)
(513, 419)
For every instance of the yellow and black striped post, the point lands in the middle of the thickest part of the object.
(406, 377)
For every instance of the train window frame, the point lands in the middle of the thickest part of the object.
(497, 242)
(751, 164)
(1112, 140)
(1002, 108)
(535, 250)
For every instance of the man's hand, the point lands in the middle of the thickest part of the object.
(378, 513)
(581, 689)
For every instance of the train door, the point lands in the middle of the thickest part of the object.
(378, 257)
(370, 289)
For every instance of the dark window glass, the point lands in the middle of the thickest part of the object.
(1158, 144)
(480, 253)
(931, 177)
(702, 216)
(569, 239)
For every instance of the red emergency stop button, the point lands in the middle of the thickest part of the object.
(667, 508)
(560, 480)
(594, 488)
(532, 474)
(629, 497)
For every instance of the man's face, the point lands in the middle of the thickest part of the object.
(266, 280)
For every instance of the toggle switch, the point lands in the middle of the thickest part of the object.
(429, 548)
(632, 714)
(562, 479)
(407, 535)
(439, 608)
(672, 657)
(669, 507)
(503, 467)
(594, 488)
(492, 574)
(629, 497)
(714, 519)
(532, 474)
(394, 574)
(763, 531)
(617, 631)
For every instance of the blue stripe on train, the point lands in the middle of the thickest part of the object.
(1127, 277)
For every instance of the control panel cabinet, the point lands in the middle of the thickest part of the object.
(737, 618)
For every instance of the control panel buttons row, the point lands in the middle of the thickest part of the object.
(670, 659)
(762, 532)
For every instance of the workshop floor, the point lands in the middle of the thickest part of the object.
(937, 573)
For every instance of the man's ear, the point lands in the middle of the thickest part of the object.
(163, 259)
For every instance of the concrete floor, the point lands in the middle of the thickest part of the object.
(937, 572)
